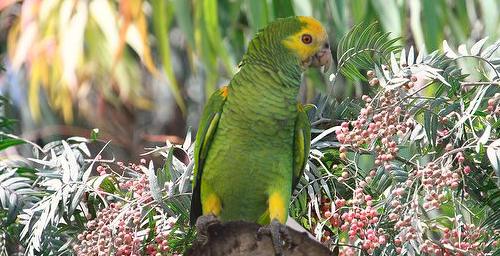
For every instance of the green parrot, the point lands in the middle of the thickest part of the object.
(254, 137)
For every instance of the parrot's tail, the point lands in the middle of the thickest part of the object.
(195, 206)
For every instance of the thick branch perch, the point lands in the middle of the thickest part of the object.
(240, 238)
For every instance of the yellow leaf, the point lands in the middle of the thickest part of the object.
(12, 38)
(146, 54)
(44, 72)
(67, 106)
(135, 8)
(126, 16)
(34, 89)
(142, 103)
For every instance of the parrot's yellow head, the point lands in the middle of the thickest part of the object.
(310, 43)
(286, 42)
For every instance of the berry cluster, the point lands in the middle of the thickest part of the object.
(160, 244)
(103, 238)
(459, 241)
(118, 229)
(98, 238)
(436, 178)
(380, 126)
(139, 188)
(358, 220)
(326, 209)
(384, 126)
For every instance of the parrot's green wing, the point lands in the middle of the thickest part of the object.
(302, 142)
(208, 126)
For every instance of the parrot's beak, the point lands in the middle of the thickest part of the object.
(323, 58)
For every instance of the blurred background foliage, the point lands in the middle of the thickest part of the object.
(141, 70)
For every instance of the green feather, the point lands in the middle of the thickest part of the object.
(206, 130)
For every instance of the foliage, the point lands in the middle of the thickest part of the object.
(58, 35)
(63, 205)
(150, 214)
(361, 47)
(148, 55)
(53, 203)
(411, 169)
(416, 172)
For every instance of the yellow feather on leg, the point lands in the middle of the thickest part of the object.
(277, 207)
(212, 205)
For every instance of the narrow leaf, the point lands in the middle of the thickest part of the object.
(448, 51)
(402, 58)
(462, 49)
(160, 28)
(394, 63)
(493, 152)
(411, 56)
(6, 143)
(476, 48)
(420, 57)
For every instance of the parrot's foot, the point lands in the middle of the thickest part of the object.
(279, 235)
(202, 224)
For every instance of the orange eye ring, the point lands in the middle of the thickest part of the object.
(307, 39)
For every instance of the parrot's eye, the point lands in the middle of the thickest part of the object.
(307, 39)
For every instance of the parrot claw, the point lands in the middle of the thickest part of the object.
(202, 224)
(279, 236)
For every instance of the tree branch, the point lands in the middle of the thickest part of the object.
(240, 238)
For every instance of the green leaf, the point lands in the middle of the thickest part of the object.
(160, 28)
(8, 142)
(76, 198)
(339, 18)
(211, 19)
(359, 10)
(430, 126)
(164, 174)
(490, 16)
(151, 225)
(153, 183)
(27, 172)
(106, 183)
(389, 15)
(6, 123)
(282, 8)
(183, 15)
(94, 134)
(257, 15)
(432, 25)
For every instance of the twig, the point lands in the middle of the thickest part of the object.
(19, 138)
(408, 162)
(321, 121)
(407, 96)
(479, 83)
